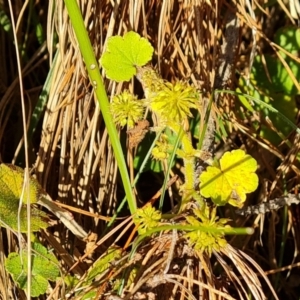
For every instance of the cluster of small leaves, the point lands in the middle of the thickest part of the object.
(210, 239)
(11, 191)
(45, 267)
(124, 56)
(151, 81)
(162, 148)
(232, 180)
(226, 182)
(126, 109)
(160, 151)
(174, 102)
(147, 218)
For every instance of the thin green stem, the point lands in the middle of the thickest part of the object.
(96, 80)
(170, 163)
(188, 159)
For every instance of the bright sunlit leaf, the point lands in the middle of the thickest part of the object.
(230, 182)
(123, 54)
(11, 185)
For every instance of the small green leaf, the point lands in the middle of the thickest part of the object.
(279, 80)
(207, 241)
(103, 263)
(12, 180)
(288, 38)
(11, 185)
(70, 281)
(230, 182)
(152, 164)
(44, 267)
(89, 295)
(147, 218)
(5, 21)
(123, 54)
(282, 102)
(126, 109)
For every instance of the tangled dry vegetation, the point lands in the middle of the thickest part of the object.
(210, 43)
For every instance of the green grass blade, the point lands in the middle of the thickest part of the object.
(266, 105)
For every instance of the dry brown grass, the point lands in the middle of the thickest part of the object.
(74, 161)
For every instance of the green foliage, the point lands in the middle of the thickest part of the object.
(97, 272)
(195, 124)
(230, 182)
(11, 187)
(164, 146)
(123, 54)
(89, 295)
(132, 276)
(70, 281)
(142, 152)
(103, 263)
(146, 218)
(289, 39)
(162, 149)
(126, 109)
(275, 87)
(174, 101)
(5, 22)
(172, 105)
(45, 267)
(207, 241)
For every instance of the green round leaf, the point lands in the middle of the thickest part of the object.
(44, 267)
(123, 54)
(230, 182)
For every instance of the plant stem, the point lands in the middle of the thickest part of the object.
(96, 80)
(188, 159)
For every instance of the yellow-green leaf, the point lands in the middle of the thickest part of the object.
(147, 218)
(12, 180)
(230, 182)
(11, 185)
(123, 54)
